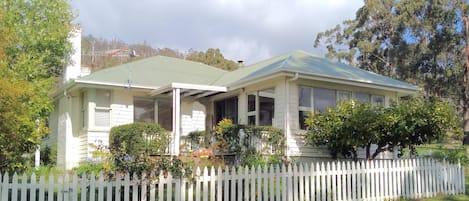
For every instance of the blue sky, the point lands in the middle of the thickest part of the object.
(249, 30)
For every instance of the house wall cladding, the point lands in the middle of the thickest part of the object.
(193, 115)
(122, 109)
(296, 145)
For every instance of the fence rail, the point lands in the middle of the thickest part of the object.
(364, 180)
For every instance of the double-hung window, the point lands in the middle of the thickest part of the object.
(311, 99)
(154, 111)
(261, 107)
(102, 113)
(252, 109)
(227, 108)
(144, 110)
(314, 100)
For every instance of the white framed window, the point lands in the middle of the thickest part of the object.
(164, 111)
(144, 110)
(266, 107)
(261, 107)
(102, 113)
(227, 108)
(323, 99)
(377, 100)
(315, 100)
(344, 95)
(252, 109)
(83, 110)
(362, 97)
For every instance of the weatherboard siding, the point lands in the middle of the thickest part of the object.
(193, 115)
(122, 109)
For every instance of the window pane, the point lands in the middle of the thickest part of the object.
(251, 103)
(251, 120)
(304, 96)
(102, 113)
(144, 110)
(323, 99)
(103, 98)
(344, 95)
(362, 97)
(83, 107)
(266, 113)
(377, 100)
(165, 114)
(227, 108)
(302, 116)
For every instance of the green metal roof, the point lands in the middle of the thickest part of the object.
(155, 72)
(160, 71)
(307, 64)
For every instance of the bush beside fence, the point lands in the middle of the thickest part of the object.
(345, 180)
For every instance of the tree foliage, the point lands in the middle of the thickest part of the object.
(351, 126)
(133, 145)
(419, 41)
(100, 53)
(212, 57)
(34, 48)
(240, 140)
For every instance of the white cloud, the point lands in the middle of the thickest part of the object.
(249, 30)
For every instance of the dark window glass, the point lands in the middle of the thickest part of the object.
(251, 120)
(165, 114)
(302, 116)
(362, 97)
(144, 110)
(266, 114)
(251, 103)
(323, 99)
(378, 100)
(227, 108)
(304, 97)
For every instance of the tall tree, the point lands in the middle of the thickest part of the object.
(212, 57)
(34, 50)
(419, 41)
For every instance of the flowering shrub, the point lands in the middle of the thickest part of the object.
(99, 162)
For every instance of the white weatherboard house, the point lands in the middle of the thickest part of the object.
(185, 96)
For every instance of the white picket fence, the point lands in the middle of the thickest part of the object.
(365, 180)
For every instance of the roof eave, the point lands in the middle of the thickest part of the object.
(279, 73)
(175, 85)
(86, 83)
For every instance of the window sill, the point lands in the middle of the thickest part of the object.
(99, 129)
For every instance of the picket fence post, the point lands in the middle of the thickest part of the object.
(333, 180)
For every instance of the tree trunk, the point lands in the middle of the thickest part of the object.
(466, 84)
(368, 151)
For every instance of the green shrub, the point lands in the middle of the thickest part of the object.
(405, 124)
(49, 155)
(245, 149)
(451, 155)
(132, 146)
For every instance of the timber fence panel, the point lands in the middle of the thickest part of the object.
(336, 180)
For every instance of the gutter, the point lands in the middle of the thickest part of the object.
(67, 86)
(325, 79)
